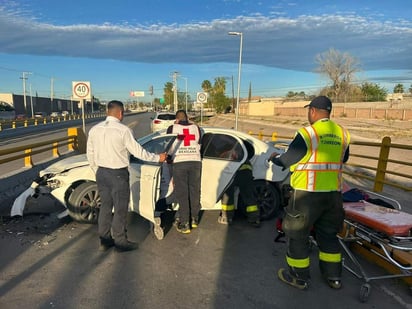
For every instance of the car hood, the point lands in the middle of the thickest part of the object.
(65, 164)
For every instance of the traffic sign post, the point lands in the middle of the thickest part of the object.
(81, 91)
(201, 98)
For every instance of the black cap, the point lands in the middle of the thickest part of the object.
(321, 102)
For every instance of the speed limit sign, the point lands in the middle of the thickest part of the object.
(81, 90)
(201, 97)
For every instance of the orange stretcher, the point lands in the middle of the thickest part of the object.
(381, 234)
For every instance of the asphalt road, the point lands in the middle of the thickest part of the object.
(51, 263)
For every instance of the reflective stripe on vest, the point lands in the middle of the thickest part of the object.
(321, 168)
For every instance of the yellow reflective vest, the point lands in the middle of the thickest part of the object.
(320, 170)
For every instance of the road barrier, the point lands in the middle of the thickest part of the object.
(13, 124)
(381, 168)
(75, 141)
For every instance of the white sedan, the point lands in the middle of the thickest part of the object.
(72, 182)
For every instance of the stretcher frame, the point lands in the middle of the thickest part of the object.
(392, 246)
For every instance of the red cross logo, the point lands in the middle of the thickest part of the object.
(186, 137)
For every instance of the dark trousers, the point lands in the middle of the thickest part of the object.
(114, 191)
(244, 181)
(322, 211)
(187, 180)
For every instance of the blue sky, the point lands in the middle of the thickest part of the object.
(126, 45)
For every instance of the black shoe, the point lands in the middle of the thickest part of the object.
(106, 243)
(255, 223)
(183, 228)
(195, 222)
(335, 284)
(285, 276)
(126, 246)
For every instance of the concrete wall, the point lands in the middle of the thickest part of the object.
(361, 110)
(40, 104)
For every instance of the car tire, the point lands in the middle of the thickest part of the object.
(268, 199)
(84, 203)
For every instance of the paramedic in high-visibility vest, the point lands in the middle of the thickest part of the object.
(186, 171)
(315, 158)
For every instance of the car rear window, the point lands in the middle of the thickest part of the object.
(166, 116)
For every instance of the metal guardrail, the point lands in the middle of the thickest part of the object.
(13, 124)
(378, 168)
(378, 171)
(75, 140)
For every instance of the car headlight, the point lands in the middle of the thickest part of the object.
(54, 183)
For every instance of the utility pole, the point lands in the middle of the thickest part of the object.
(31, 104)
(24, 78)
(51, 94)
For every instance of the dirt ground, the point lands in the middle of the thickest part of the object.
(40, 229)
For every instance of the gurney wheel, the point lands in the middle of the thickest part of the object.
(364, 292)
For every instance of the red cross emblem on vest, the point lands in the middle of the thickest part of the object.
(186, 137)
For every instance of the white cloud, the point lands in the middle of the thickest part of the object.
(275, 42)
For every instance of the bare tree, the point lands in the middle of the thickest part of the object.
(340, 68)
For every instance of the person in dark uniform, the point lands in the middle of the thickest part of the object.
(315, 158)
(109, 146)
(186, 171)
(243, 180)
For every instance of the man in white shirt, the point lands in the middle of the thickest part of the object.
(109, 146)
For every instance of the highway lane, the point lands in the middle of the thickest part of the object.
(11, 138)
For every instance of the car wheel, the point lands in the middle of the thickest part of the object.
(268, 199)
(84, 203)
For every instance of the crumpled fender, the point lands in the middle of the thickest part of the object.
(20, 202)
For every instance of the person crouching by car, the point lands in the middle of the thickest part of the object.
(243, 180)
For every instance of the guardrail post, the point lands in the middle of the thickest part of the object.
(55, 150)
(28, 161)
(80, 141)
(260, 135)
(382, 164)
(25, 123)
(13, 124)
(35, 122)
(44, 120)
(274, 136)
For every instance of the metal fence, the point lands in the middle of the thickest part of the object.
(383, 163)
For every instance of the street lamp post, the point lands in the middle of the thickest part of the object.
(238, 77)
